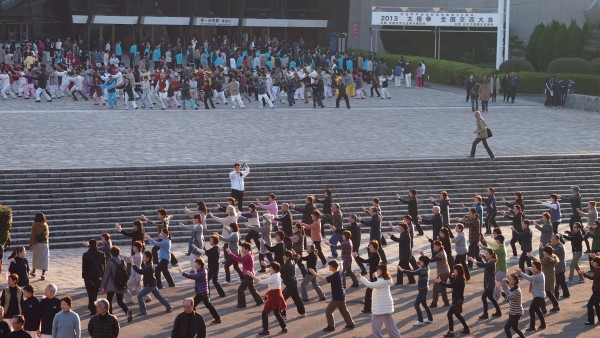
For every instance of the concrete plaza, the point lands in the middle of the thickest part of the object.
(416, 123)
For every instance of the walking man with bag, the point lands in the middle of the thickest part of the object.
(483, 133)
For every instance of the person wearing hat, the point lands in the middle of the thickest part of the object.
(481, 136)
(575, 200)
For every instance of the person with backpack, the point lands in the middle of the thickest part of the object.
(115, 281)
(92, 269)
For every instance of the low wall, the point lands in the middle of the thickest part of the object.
(583, 102)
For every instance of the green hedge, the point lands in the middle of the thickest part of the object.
(456, 73)
(5, 225)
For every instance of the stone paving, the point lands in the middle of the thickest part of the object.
(416, 123)
(65, 270)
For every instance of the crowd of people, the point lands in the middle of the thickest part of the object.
(285, 245)
(216, 72)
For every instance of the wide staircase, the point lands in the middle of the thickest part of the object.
(83, 203)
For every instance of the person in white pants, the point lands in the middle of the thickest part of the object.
(234, 91)
(261, 88)
(162, 89)
(5, 80)
(146, 93)
(135, 279)
(407, 79)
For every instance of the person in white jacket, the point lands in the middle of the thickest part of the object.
(382, 306)
(135, 279)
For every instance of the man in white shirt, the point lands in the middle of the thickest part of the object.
(237, 182)
(5, 85)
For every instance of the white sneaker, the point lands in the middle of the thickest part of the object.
(427, 321)
(224, 282)
(418, 323)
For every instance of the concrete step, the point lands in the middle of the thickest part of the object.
(82, 203)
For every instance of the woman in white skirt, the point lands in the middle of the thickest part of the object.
(382, 307)
(38, 243)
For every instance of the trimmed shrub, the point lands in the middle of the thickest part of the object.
(456, 73)
(5, 225)
(544, 46)
(516, 65)
(569, 65)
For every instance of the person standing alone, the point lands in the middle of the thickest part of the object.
(237, 175)
(482, 133)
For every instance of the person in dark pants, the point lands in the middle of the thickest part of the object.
(482, 136)
(288, 276)
(575, 200)
(536, 288)
(491, 211)
(526, 239)
(247, 260)
(201, 288)
(109, 281)
(404, 249)
(212, 255)
(413, 208)
(513, 83)
(375, 86)
(339, 84)
(163, 223)
(374, 233)
(469, 84)
(208, 94)
(164, 254)
(373, 262)
(594, 302)
(457, 284)
(326, 201)
(236, 176)
(92, 266)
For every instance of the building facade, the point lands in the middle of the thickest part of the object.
(524, 15)
(99, 21)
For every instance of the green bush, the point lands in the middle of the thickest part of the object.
(5, 225)
(516, 65)
(456, 73)
(595, 66)
(559, 49)
(569, 65)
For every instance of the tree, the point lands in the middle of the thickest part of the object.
(575, 40)
(559, 49)
(530, 54)
(544, 45)
(591, 42)
(5, 226)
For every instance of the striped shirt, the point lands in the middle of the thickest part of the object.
(515, 306)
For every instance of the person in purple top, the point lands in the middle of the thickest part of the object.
(201, 288)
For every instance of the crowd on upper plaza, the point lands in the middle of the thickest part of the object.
(178, 73)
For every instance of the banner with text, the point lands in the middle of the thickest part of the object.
(435, 19)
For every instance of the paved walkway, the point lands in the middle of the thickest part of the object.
(415, 123)
(65, 270)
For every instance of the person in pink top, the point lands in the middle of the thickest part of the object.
(247, 260)
(315, 233)
(272, 208)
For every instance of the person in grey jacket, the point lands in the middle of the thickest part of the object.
(536, 288)
(108, 281)
(561, 267)
(482, 136)
(460, 246)
(546, 230)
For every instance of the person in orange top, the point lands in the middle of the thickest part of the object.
(315, 233)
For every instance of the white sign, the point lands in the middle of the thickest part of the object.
(216, 21)
(435, 19)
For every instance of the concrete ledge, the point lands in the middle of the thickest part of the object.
(583, 102)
